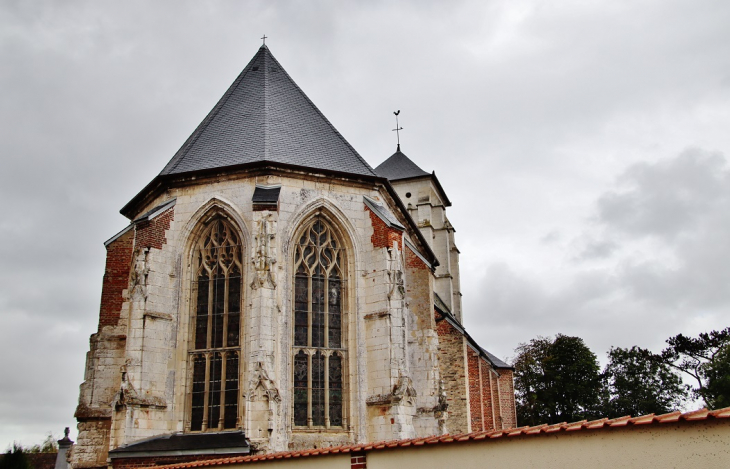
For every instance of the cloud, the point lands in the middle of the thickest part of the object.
(668, 198)
(651, 261)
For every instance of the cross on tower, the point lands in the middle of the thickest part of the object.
(397, 128)
(264, 38)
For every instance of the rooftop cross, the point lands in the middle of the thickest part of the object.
(397, 128)
(264, 38)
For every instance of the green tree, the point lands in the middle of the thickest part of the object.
(638, 382)
(556, 380)
(706, 358)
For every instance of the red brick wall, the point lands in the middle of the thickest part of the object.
(453, 374)
(484, 397)
(148, 234)
(475, 392)
(116, 278)
(151, 233)
(383, 236)
(487, 377)
(357, 461)
(507, 398)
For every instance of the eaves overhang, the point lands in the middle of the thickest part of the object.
(435, 180)
(161, 183)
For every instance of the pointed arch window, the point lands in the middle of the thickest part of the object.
(319, 350)
(216, 336)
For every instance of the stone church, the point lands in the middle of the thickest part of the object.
(273, 291)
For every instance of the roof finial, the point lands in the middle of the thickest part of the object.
(397, 128)
(264, 39)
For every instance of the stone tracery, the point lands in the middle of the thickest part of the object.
(319, 348)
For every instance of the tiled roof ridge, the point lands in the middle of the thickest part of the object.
(200, 129)
(311, 103)
(672, 417)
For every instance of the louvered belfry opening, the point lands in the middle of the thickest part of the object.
(216, 344)
(319, 338)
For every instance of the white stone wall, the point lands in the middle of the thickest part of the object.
(429, 212)
(383, 349)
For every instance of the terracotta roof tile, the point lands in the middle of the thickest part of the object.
(619, 422)
(721, 413)
(571, 427)
(596, 423)
(694, 416)
(643, 420)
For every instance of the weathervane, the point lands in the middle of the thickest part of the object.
(264, 38)
(397, 128)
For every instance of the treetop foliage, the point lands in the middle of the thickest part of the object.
(559, 379)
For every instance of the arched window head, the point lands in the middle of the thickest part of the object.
(319, 338)
(216, 320)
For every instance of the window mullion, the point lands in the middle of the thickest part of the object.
(309, 389)
(211, 303)
(326, 313)
(227, 282)
(222, 413)
(327, 389)
(309, 309)
(206, 398)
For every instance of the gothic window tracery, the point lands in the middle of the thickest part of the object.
(216, 342)
(319, 349)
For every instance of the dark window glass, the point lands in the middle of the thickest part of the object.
(231, 393)
(217, 298)
(318, 389)
(214, 391)
(301, 367)
(198, 393)
(335, 390)
(318, 327)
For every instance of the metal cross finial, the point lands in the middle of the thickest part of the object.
(397, 128)
(264, 38)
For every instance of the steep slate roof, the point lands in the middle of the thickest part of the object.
(265, 117)
(399, 166)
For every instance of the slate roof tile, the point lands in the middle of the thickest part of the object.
(399, 166)
(265, 117)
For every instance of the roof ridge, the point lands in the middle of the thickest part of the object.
(314, 106)
(190, 141)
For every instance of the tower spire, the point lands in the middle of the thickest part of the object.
(397, 129)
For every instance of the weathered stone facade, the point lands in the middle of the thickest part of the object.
(406, 372)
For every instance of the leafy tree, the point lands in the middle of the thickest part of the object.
(717, 389)
(638, 382)
(705, 358)
(556, 380)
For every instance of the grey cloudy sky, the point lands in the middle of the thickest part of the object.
(584, 145)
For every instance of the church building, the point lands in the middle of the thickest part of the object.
(275, 292)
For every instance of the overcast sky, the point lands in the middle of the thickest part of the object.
(584, 146)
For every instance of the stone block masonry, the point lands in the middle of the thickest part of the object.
(452, 357)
